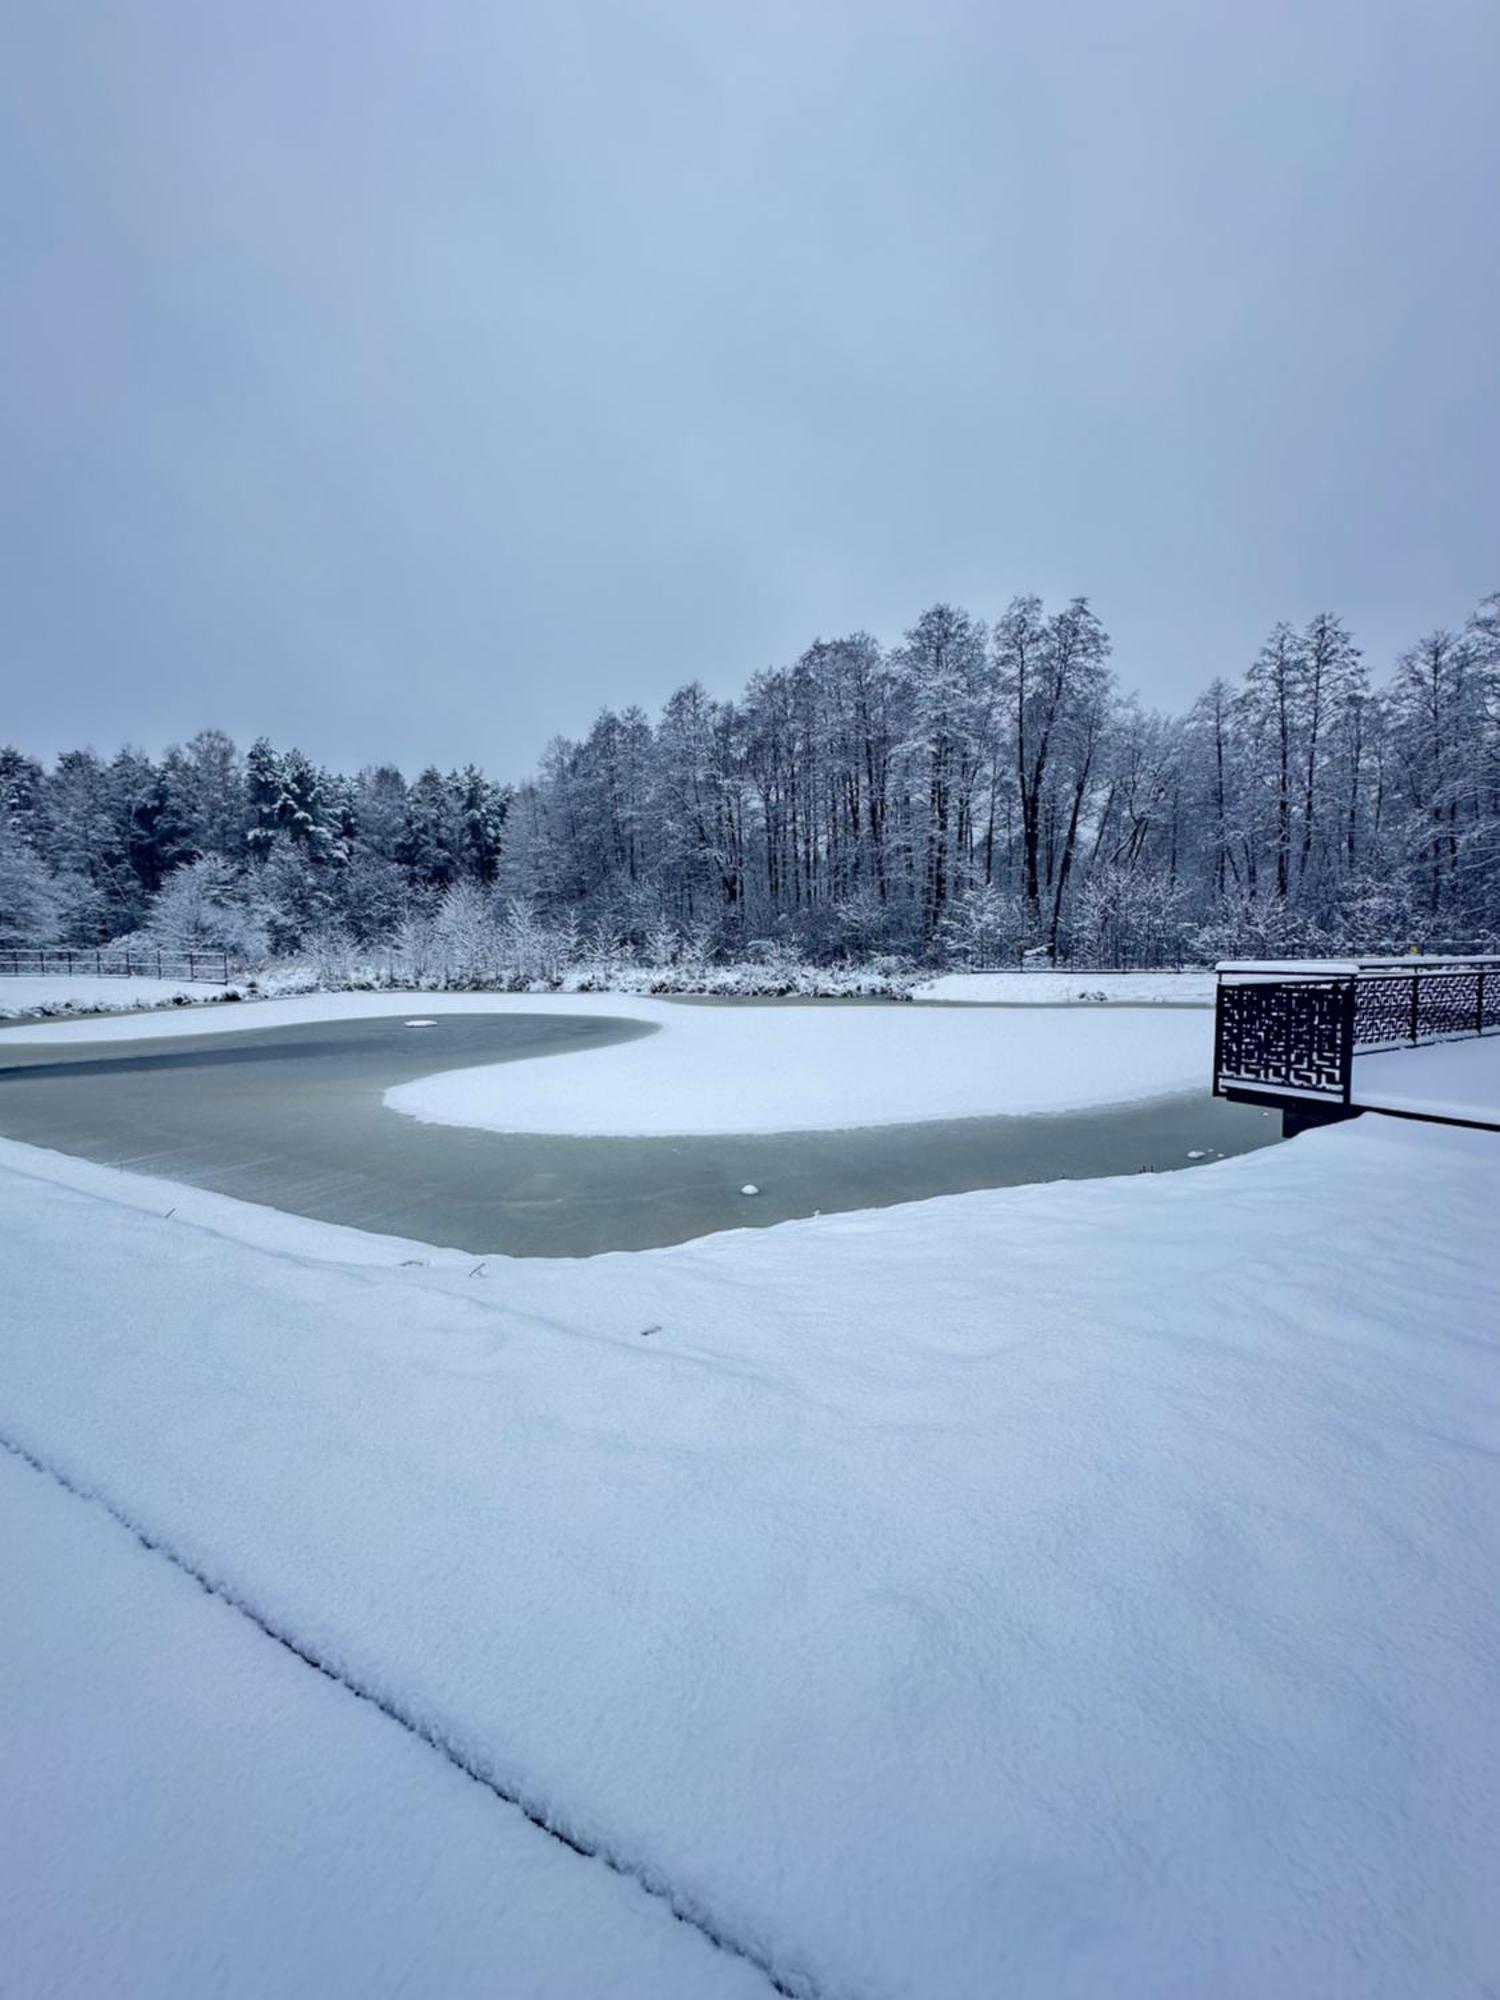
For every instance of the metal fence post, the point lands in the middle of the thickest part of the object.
(1218, 1032)
(1348, 999)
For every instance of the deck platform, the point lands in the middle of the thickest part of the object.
(1413, 1038)
(1455, 1082)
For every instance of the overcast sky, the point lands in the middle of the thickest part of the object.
(410, 380)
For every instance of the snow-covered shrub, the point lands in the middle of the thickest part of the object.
(663, 943)
(981, 927)
(1126, 916)
(531, 950)
(209, 905)
(466, 935)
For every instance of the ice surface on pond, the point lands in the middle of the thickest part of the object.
(724, 1068)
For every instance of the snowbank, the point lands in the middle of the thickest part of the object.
(62, 994)
(1070, 1590)
(1062, 989)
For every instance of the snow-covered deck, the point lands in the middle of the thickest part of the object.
(1455, 1082)
(1418, 1037)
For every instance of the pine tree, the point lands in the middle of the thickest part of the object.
(263, 799)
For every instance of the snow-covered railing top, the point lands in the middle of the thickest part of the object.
(1350, 968)
(1288, 1031)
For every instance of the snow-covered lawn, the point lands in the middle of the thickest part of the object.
(90, 993)
(1062, 989)
(1072, 1590)
(755, 1068)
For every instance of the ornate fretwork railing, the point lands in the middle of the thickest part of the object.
(1288, 1033)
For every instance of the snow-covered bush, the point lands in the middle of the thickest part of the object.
(1128, 916)
(465, 934)
(208, 905)
(981, 927)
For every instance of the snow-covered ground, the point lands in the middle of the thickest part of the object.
(190, 1811)
(90, 993)
(1068, 1590)
(758, 1068)
(1065, 989)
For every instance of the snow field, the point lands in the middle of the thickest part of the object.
(1072, 1589)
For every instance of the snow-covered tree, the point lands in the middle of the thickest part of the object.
(34, 902)
(948, 797)
(210, 905)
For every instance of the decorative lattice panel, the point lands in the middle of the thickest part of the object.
(1290, 1037)
(1393, 1009)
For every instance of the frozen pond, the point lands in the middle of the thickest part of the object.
(292, 1117)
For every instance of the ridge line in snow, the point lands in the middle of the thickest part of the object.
(685, 1910)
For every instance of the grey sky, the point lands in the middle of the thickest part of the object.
(408, 380)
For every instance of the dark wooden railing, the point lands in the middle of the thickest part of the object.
(107, 961)
(1286, 1035)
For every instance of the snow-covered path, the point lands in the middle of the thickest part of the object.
(1076, 1589)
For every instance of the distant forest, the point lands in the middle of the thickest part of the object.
(968, 794)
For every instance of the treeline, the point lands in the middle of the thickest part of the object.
(967, 794)
(975, 791)
(262, 855)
